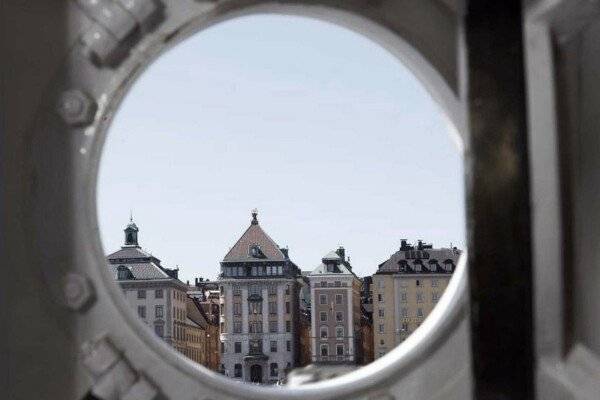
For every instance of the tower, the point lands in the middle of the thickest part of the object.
(131, 233)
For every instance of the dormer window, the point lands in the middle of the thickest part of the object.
(330, 267)
(254, 251)
(123, 273)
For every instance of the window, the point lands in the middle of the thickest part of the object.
(141, 294)
(255, 346)
(435, 296)
(255, 327)
(272, 307)
(323, 284)
(254, 289)
(339, 316)
(142, 311)
(237, 327)
(324, 332)
(339, 349)
(274, 369)
(403, 297)
(288, 326)
(272, 290)
(159, 311)
(288, 345)
(273, 346)
(237, 309)
(323, 316)
(419, 312)
(434, 283)
(122, 273)
(381, 313)
(382, 342)
(338, 298)
(322, 299)
(238, 347)
(329, 267)
(324, 350)
(273, 326)
(255, 307)
(404, 312)
(237, 370)
(237, 292)
(158, 294)
(288, 308)
(381, 328)
(159, 330)
(223, 347)
(380, 297)
(418, 282)
(419, 297)
(339, 332)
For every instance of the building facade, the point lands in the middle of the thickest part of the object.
(153, 292)
(406, 287)
(335, 311)
(259, 323)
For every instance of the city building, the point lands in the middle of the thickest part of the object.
(154, 292)
(406, 288)
(206, 295)
(259, 309)
(335, 311)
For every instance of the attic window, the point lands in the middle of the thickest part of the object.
(123, 273)
(255, 251)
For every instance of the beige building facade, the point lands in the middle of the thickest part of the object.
(336, 315)
(406, 288)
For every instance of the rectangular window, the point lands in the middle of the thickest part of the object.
(238, 347)
(223, 347)
(434, 283)
(381, 328)
(141, 294)
(237, 309)
(237, 327)
(159, 311)
(255, 307)
(339, 316)
(323, 299)
(324, 333)
(339, 298)
(420, 312)
(435, 296)
(403, 297)
(339, 332)
(323, 316)
(405, 312)
(142, 311)
(159, 330)
(324, 350)
(272, 307)
(237, 292)
(158, 294)
(288, 345)
(273, 326)
(419, 297)
(273, 346)
(272, 290)
(404, 326)
(339, 349)
(288, 308)
(255, 346)
(381, 313)
(379, 297)
(288, 326)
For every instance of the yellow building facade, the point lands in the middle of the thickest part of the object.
(406, 288)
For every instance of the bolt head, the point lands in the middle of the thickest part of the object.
(77, 108)
(78, 291)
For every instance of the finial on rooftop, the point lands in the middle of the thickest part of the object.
(130, 215)
(254, 216)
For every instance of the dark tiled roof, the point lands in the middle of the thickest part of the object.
(131, 253)
(195, 312)
(442, 260)
(141, 271)
(254, 235)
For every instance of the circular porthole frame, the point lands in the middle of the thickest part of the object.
(90, 89)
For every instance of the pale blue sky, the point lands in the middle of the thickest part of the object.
(321, 129)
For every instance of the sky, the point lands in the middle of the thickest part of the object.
(328, 135)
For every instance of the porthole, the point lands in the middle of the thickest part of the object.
(100, 87)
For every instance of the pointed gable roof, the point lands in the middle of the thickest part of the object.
(254, 236)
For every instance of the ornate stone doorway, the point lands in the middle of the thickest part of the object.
(256, 373)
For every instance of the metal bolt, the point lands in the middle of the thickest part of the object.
(78, 291)
(77, 108)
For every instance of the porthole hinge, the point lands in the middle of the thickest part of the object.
(114, 377)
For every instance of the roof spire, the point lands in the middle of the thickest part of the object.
(254, 216)
(130, 215)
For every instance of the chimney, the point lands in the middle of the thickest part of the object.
(285, 251)
(404, 245)
(341, 252)
(419, 244)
